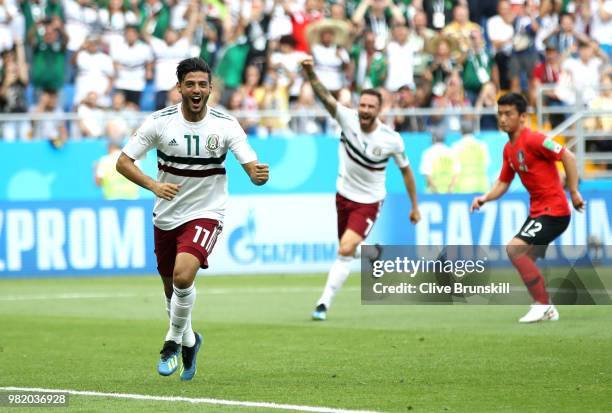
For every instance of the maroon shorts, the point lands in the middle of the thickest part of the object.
(353, 215)
(197, 237)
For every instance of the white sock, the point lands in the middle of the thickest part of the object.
(338, 273)
(188, 335)
(180, 313)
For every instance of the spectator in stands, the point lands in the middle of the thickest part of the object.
(13, 83)
(248, 102)
(443, 64)
(500, 30)
(212, 38)
(95, 72)
(453, 100)
(602, 102)
(479, 67)
(547, 73)
(81, 16)
(35, 12)
(332, 62)
(115, 19)
(487, 100)
(133, 62)
(273, 95)
(378, 16)
(232, 64)
(91, 116)
(168, 53)
(114, 185)
(8, 16)
(405, 99)
(474, 160)
(52, 129)
(580, 76)
(400, 57)
(601, 24)
(565, 38)
(461, 27)
(549, 22)
(256, 32)
(439, 12)
(370, 65)
(287, 62)
(301, 19)
(420, 37)
(49, 54)
(440, 166)
(154, 18)
(117, 126)
(306, 102)
(524, 55)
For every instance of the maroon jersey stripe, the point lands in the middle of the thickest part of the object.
(192, 173)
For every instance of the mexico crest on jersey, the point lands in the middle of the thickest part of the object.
(377, 151)
(212, 143)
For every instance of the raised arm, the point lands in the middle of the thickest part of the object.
(322, 93)
(571, 172)
(415, 215)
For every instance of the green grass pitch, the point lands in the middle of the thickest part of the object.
(104, 334)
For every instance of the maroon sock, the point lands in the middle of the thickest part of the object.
(532, 278)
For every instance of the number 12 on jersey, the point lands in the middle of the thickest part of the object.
(196, 138)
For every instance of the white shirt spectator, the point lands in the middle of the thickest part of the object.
(290, 62)
(499, 30)
(582, 77)
(8, 13)
(93, 73)
(601, 30)
(93, 119)
(167, 58)
(114, 26)
(79, 20)
(131, 62)
(328, 65)
(400, 58)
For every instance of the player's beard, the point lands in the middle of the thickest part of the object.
(366, 123)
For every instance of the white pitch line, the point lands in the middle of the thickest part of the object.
(209, 291)
(193, 400)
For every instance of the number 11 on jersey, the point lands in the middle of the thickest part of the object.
(197, 144)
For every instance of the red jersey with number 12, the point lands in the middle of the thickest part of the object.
(533, 157)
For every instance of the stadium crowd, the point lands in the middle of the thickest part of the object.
(105, 57)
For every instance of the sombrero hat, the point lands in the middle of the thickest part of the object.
(340, 28)
(432, 44)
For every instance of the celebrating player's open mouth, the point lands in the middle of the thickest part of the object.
(196, 102)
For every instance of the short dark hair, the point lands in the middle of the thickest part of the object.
(373, 92)
(193, 64)
(514, 99)
(287, 39)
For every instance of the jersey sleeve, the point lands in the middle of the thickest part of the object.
(399, 156)
(507, 173)
(547, 148)
(145, 139)
(238, 144)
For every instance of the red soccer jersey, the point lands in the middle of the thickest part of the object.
(533, 156)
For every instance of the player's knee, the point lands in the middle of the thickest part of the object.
(514, 250)
(182, 278)
(346, 249)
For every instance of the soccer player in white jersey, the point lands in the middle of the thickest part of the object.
(366, 146)
(192, 141)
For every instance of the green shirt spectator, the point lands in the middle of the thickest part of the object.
(370, 64)
(154, 17)
(48, 56)
(36, 11)
(231, 65)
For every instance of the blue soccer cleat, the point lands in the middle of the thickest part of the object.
(190, 355)
(169, 360)
(320, 313)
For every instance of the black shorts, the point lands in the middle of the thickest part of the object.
(542, 230)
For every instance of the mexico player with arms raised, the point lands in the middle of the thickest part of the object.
(533, 157)
(366, 145)
(192, 141)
